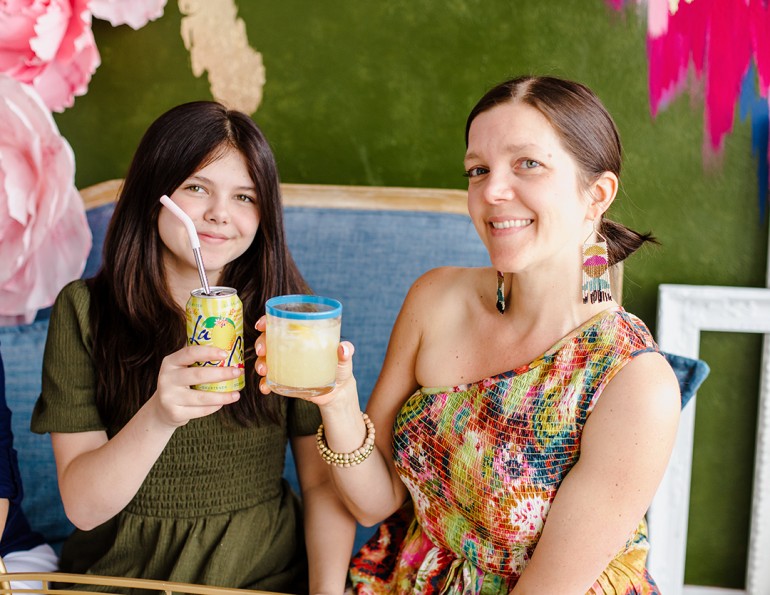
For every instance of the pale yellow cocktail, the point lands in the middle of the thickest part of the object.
(302, 336)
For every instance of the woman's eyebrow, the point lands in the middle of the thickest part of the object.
(509, 148)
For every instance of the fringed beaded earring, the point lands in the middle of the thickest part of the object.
(500, 292)
(596, 276)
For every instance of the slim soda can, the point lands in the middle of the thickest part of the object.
(217, 319)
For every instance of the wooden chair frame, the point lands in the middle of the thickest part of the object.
(47, 578)
(125, 584)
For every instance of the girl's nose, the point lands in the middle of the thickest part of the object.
(217, 209)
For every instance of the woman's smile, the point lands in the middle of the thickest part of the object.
(510, 223)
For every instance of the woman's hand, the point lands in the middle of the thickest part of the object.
(175, 402)
(345, 383)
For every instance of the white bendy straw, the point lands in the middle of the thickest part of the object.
(193, 235)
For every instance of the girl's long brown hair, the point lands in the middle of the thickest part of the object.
(135, 322)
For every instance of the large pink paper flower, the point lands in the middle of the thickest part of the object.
(134, 13)
(44, 234)
(48, 44)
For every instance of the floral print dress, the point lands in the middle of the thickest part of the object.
(483, 462)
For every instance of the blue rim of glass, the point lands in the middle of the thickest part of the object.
(335, 307)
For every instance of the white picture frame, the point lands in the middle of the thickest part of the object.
(683, 312)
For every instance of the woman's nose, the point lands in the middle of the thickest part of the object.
(499, 187)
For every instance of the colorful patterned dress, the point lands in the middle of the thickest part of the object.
(482, 463)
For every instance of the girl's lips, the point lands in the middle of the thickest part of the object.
(212, 238)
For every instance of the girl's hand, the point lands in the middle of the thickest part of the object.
(176, 402)
(345, 381)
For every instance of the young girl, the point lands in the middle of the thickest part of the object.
(163, 481)
(527, 414)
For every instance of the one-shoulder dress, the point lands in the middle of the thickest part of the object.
(483, 462)
(214, 508)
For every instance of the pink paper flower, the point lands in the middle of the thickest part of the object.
(134, 13)
(44, 234)
(48, 44)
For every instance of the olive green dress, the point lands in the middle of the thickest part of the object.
(214, 508)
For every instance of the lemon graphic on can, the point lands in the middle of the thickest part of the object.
(222, 331)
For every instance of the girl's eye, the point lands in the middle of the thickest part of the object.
(194, 188)
(530, 164)
(244, 198)
(475, 171)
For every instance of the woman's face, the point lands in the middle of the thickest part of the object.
(524, 195)
(220, 198)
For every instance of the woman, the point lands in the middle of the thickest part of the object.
(164, 481)
(529, 419)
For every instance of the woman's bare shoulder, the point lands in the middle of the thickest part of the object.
(645, 388)
(444, 283)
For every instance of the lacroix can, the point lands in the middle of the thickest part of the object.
(216, 319)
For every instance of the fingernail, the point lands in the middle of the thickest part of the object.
(223, 354)
(238, 372)
(345, 350)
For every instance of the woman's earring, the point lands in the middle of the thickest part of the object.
(596, 271)
(500, 292)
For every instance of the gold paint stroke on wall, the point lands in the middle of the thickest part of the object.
(217, 42)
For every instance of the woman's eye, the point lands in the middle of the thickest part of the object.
(530, 163)
(194, 188)
(244, 198)
(475, 171)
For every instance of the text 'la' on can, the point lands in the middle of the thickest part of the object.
(216, 319)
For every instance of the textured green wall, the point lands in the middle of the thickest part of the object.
(377, 93)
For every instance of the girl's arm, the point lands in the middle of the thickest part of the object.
(329, 528)
(99, 477)
(625, 448)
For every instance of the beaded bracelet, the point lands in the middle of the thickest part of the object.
(346, 459)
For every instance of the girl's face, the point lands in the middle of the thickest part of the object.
(524, 196)
(220, 198)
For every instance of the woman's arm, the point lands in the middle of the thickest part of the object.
(373, 490)
(625, 448)
(99, 477)
(329, 527)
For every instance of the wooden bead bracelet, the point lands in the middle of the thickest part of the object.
(346, 459)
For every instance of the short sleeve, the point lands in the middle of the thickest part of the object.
(67, 402)
(304, 418)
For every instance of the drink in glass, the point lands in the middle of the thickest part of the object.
(302, 335)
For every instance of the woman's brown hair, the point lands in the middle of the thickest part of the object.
(588, 132)
(135, 322)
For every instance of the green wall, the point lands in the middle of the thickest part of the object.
(377, 94)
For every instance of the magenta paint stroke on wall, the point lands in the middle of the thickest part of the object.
(719, 41)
